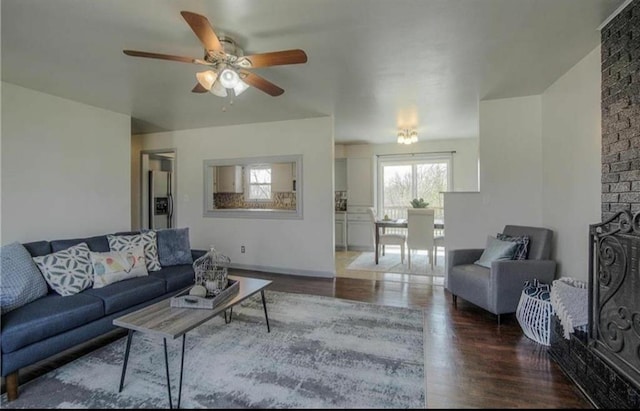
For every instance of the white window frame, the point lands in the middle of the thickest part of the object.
(209, 209)
(248, 183)
(414, 160)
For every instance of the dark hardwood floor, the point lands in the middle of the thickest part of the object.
(470, 360)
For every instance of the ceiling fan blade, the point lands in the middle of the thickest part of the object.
(199, 89)
(276, 58)
(159, 56)
(260, 83)
(203, 29)
(206, 79)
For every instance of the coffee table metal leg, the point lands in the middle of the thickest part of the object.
(184, 337)
(126, 359)
(230, 315)
(166, 364)
(264, 304)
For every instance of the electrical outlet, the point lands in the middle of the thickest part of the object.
(242, 249)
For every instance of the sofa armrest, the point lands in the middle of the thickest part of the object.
(508, 278)
(463, 256)
(195, 254)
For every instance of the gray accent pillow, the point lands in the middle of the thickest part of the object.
(496, 250)
(67, 271)
(174, 247)
(148, 242)
(20, 280)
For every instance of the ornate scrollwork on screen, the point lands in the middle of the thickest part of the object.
(614, 302)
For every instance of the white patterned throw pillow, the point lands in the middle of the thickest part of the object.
(114, 266)
(148, 242)
(67, 271)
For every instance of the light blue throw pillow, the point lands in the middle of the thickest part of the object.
(496, 250)
(20, 279)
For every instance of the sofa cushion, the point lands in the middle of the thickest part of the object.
(147, 240)
(127, 293)
(68, 271)
(46, 317)
(496, 250)
(98, 244)
(174, 247)
(38, 248)
(177, 277)
(20, 280)
(114, 266)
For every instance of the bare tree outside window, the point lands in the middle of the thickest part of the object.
(260, 183)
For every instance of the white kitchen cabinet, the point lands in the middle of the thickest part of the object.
(359, 229)
(359, 182)
(341, 174)
(229, 179)
(282, 177)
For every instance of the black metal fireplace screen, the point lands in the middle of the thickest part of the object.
(614, 293)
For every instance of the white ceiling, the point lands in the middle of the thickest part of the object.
(372, 64)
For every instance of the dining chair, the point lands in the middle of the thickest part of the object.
(386, 239)
(420, 232)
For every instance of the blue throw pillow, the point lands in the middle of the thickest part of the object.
(20, 279)
(496, 250)
(174, 247)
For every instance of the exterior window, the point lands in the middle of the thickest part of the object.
(259, 178)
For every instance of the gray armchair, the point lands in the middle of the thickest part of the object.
(498, 289)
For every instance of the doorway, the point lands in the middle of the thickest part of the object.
(158, 189)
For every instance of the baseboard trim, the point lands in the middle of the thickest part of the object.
(290, 271)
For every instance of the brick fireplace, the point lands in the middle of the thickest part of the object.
(604, 361)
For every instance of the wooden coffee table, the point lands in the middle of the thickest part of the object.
(170, 322)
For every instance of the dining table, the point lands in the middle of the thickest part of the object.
(382, 224)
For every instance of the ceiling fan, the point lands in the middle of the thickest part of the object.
(229, 69)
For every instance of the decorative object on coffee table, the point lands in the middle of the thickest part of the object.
(211, 271)
(187, 300)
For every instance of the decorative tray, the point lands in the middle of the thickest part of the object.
(184, 300)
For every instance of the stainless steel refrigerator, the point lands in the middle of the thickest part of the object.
(161, 199)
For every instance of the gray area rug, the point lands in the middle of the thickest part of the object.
(322, 352)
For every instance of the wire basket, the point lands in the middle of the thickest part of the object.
(534, 312)
(211, 272)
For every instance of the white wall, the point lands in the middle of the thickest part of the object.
(510, 175)
(571, 146)
(539, 165)
(65, 168)
(303, 247)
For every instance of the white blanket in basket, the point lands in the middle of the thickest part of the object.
(569, 299)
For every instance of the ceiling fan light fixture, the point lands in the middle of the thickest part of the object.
(240, 87)
(218, 89)
(229, 78)
(206, 78)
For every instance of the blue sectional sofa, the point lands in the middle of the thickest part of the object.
(53, 323)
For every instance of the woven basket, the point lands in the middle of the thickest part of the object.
(534, 316)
